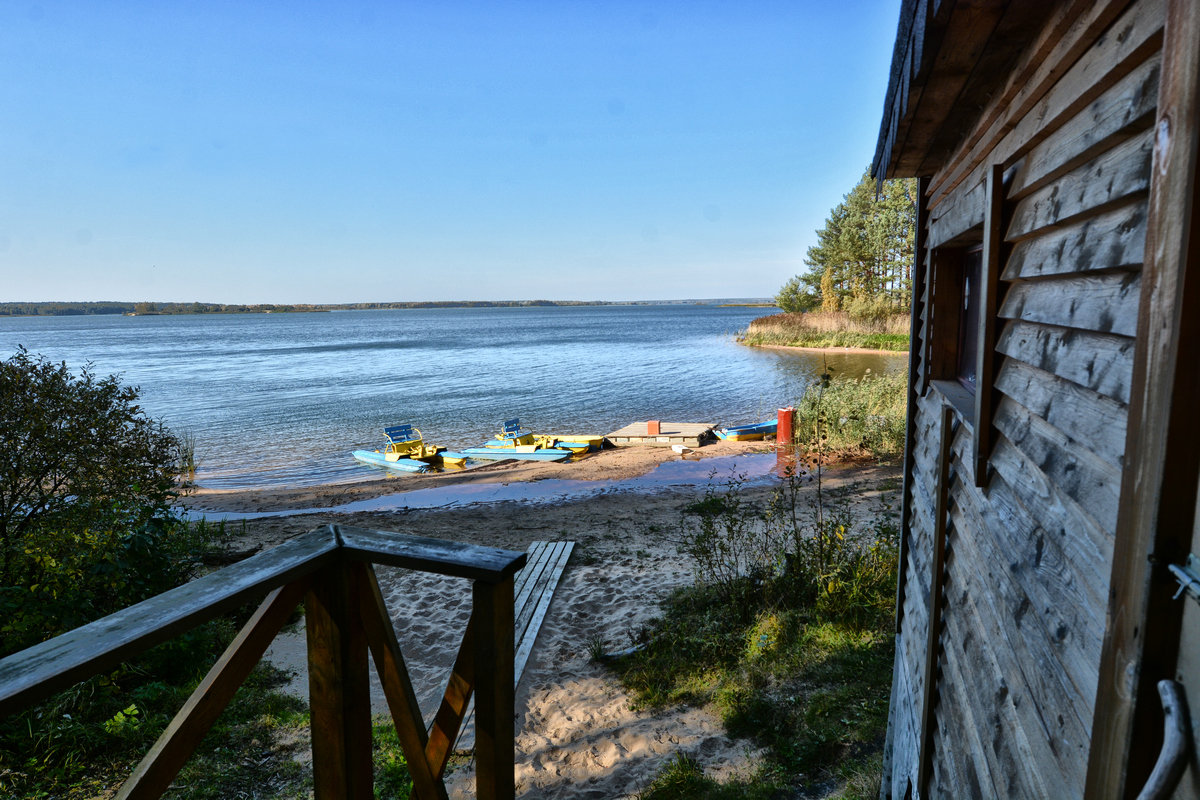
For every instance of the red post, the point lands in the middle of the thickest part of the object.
(653, 428)
(783, 435)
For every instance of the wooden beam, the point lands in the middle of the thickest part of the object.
(339, 689)
(917, 364)
(441, 557)
(1158, 485)
(456, 700)
(494, 694)
(162, 763)
(936, 586)
(397, 686)
(985, 366)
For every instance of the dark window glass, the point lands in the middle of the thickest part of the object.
(968, 319)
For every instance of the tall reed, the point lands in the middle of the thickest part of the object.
(829, 329)
(187, 458)
(854, 417)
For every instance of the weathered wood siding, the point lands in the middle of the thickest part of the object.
(1027, 556)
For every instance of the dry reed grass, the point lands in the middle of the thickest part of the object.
(830, 329)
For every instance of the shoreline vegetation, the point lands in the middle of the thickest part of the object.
(822, 330)
(142, 308)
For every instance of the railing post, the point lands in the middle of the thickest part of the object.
(494, 692)
(339, 692)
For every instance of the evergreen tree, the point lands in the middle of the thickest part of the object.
(862, 261)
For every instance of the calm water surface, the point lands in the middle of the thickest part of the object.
(282, 399)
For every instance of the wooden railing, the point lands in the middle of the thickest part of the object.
(331, 570)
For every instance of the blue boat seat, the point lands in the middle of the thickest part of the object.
(512, 429)
(398, 434)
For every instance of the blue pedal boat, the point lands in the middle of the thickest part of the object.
(748, 433)
(513, 441)
(522, 452)
(376, 459)
(405, 451)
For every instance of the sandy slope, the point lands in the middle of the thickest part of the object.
(577, 736)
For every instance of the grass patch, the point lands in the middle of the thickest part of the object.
(794, 654)
(85, 742)
(830, 329)
(684, 779)
(392, 779)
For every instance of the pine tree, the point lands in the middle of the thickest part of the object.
(862, 261)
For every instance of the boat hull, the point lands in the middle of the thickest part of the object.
(748, 433)
(593, 442)
(574, 447)
(539, 441)
(520, 452)
(395, 464)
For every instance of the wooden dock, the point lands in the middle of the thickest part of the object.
(689, 434)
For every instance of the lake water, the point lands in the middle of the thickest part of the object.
(282, 399)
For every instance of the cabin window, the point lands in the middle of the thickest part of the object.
(968, 318)
(955, 310)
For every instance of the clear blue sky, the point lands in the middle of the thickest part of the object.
(338, 152)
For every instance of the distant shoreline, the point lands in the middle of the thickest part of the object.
(139, 309)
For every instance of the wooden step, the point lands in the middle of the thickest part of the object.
(533, 591)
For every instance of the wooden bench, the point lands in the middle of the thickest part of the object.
(533, 591)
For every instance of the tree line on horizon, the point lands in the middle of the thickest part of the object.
(89, 308)
(105, 307)
(862, 261)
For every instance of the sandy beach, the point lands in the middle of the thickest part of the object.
(577, 734)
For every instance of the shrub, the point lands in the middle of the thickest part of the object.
(786, 633)
(86, 528)
(854, 416)
(733, 550)
(86, 485)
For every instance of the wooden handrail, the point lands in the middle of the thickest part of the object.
(37, 672)
(331, 567)
(488, 564)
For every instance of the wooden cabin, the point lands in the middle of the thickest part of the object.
(1053, 437)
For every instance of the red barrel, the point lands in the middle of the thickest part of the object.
(784, 433)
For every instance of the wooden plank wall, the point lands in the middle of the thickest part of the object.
(1028, 554)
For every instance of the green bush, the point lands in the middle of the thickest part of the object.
(874, 309)
(87, 482)
(86, 486)
(728, 541)
(854, 416)
(392, 778)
